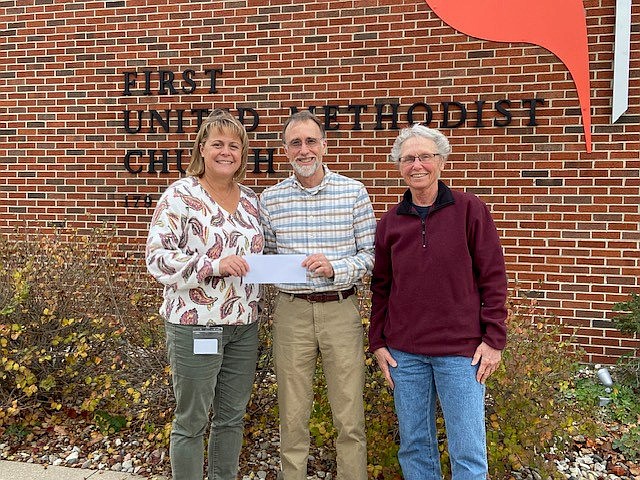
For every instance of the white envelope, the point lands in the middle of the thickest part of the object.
(276, 269)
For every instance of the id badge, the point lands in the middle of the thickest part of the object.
(206, 341)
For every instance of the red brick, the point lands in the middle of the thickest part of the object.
(576, 238)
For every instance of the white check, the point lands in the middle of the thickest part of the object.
(275, 269)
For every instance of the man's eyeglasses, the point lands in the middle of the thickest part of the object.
(423, 158)
(310, 142)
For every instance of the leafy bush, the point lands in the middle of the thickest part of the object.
(628, 375)
(629, 443)
(530, 411)
(77, 337)
(628, 372)
(628, 321)
(622, 405)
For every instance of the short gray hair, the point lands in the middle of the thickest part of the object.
(419, 130)
(302, 116)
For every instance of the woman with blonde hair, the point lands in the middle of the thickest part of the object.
(203, 226)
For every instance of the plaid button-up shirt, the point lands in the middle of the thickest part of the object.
(335, 218)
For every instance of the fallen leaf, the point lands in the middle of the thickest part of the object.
(618, 470)
(95, 438)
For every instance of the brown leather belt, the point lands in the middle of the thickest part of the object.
(322, 297)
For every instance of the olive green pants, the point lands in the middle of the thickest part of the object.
(204, 382)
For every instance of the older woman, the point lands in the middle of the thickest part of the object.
(202, 227)
(438, 310)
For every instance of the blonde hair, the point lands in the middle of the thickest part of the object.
(223, 122)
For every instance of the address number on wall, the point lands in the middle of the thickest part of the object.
(138, 201)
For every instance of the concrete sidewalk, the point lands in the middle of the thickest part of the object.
(32, 471)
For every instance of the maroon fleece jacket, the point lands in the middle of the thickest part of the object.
(439, 286)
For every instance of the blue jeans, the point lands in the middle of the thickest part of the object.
(204, 383)
(418, 379)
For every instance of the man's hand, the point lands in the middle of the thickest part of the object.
(385, 360)
(489, 359)
(318, 264)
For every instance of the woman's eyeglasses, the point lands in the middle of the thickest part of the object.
(423, 158)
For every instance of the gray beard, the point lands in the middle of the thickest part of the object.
(306, 171)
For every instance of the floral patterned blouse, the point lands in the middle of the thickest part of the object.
(189, 234)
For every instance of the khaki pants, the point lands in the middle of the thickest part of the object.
(301, 330)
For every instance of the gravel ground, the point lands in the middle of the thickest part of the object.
(80, 445)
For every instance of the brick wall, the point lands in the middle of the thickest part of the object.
(100, 101)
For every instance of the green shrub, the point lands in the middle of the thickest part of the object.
(626, 398)
(80, 335)
(77, 336)
(530, 411)
(262, 410)
(383, 436)
(628, 321)
(629, 443)
(622, 406)
(628, 372)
